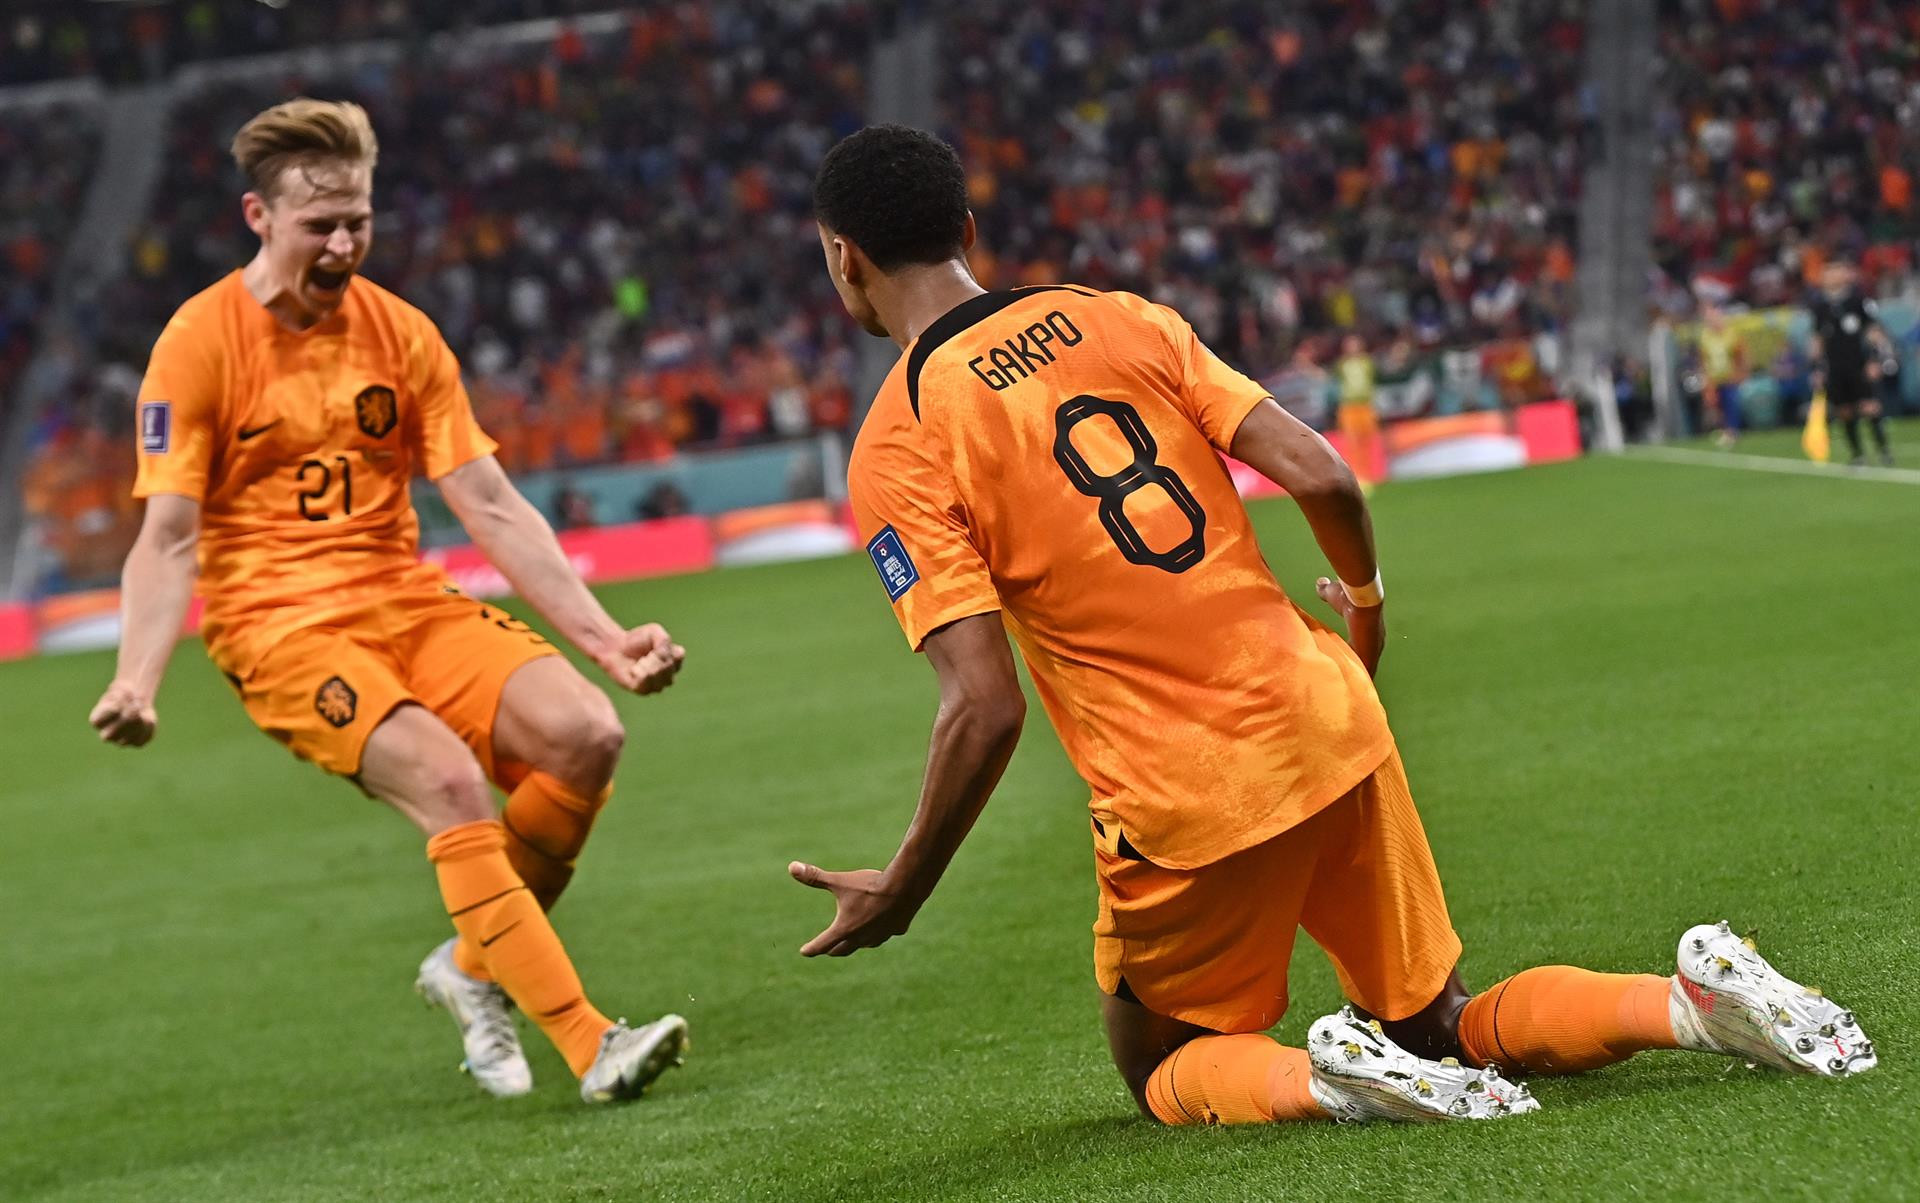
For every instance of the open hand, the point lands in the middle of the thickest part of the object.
(124, 716)
(1366, 625)
(646, 660)
(866, 912)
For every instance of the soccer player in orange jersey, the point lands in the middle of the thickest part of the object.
(1046, 461)
(283, 413)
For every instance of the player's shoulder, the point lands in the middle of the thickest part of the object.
(207, 321)
(893, 446)
(380, 301)
(890, 423)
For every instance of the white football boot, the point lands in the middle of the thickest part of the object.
(631, 1058)
(1727, 999)
(1359, 1074)
(479, 1009)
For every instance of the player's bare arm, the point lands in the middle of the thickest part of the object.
(156, 587)
(518, 540)
(981, 713)
(1289, 453)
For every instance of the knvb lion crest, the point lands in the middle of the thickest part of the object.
(376, 411)
(336, 702)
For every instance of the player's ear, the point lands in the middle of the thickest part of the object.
(253, 207)
(968, 233)
(850, 262)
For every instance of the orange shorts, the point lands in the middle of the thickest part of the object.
(1210, 945)
(323, 689)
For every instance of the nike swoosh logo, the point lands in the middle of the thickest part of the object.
(246, 434)
(488, 942)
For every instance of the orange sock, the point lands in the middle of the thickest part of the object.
(1561, 1020)
(493, 910)
(547, 825)
(1232, 1080)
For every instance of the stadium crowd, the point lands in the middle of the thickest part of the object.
(613, 230)
(1786, 132)
(1397, 170)
(127, 43)
(1358, 201)
(46, 152)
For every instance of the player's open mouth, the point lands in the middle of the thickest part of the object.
(327, 281)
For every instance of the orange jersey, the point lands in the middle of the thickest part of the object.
(1053, 453)
(299, 446)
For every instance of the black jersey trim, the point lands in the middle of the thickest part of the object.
(962, 317)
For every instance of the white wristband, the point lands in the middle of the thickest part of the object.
(1365, 596)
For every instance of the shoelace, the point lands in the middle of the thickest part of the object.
(497, 1036)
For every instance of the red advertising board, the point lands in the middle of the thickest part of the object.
(599, 554)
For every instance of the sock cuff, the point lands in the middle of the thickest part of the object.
(1162, 1099)
(555, 792)
(466, 840)
(1645, 1009)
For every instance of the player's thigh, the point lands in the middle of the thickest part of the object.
(423, 769)
(1208, 946)
(553, 718)
(1140, 1040)
(323, 692)
(459, 653)
(1376, 905)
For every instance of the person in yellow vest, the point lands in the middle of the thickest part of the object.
(1722, 369)
(1359, 423)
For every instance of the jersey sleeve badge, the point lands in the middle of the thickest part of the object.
(891, 560)
(156, 426)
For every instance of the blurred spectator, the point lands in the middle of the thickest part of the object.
(573, 212)
(128, 42)
(664, 500)
(1374, 166)
(572, 509)
(46, 152)
(1787, 132)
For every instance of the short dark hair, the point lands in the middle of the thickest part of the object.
(897, 193)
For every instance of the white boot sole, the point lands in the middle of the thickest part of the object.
(1749, 1009)
(665, 1048)
(1378, 1076)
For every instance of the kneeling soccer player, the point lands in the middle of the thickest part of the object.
(1045, 460)
(283, 413)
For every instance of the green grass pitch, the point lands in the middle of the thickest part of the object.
(1632, 696)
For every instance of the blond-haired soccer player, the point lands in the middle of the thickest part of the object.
(283, 413)
(1045, 461)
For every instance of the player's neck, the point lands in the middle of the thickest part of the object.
(919, 296)
(277, 296)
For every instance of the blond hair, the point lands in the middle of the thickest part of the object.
(303, 133)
